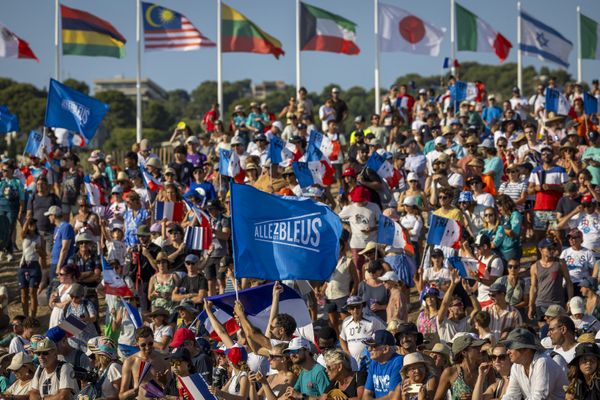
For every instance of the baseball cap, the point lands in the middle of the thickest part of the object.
(53, 210)
(191, 258)
(278, 125)
(349, 171)
(380, 337)
(412, 177)
(576, 305)
(555, 311)
(575, 233)
(180, 336)
(180, 353)
(19, 360)
(465, 196)
(354, 300)
(545, 243)
(389, 276)
(465, 341)
(298, 343)
(498, 287)
(359, 119)
(440, 140)
(56, 334)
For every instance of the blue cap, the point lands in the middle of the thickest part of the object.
(545, 243)
(56, 334)
(379, 338)
(466, 196)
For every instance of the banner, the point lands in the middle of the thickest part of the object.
(276, 238)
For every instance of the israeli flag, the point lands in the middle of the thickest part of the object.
(543, 41)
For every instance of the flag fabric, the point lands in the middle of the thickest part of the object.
(12, 46)
(329, 148)
(239, 34)
(133, 313)
(400, 30)
(153, 184)
(92, 192)
(8, 122)
(38, 144)
(153, 390)
(557, 102)
(590, 38)
(443, 232)
(313, 168)
(72, 325)
(280, 151)
(70, 109)
(390, 232)
(321, 30)
(127, 350)
(225, 318)
(113, 283)
(466, 91)
(85, 34)
(378, 163)
(196, 387)
(197, 238)
(475, 34)
(257, 306)
(166, 29)
(169, 210)
(543, 41)
(446, 64)
(143, 370)
(230, 165)
(282, 237)
(590, 104)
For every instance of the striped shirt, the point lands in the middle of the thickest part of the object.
(555, 175)
(514, 191)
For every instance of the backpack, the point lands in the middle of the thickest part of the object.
(93, 390)
(38, 373)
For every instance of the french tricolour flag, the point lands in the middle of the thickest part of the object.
(328, 147)
(391, 233)
(133, 314)
(93, 192)
(281, 152)
(153, 184)
(229, 165)
(198, 237)
(257, 305)
(557, 102)
(172, 211)
(113, 283)
(72, 325)
(383, 168)
(196, 387)
(313, 168)
(444, 232)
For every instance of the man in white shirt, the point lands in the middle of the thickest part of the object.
(53, 378)
(357, 328)
(561, 331)
(533, 374)
(580, 261)
(519, 103)
(587, 221)
(31, 326)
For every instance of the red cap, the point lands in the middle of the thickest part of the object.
(360, 193)
(349, 172)
(236, 354)
(181, 335)
(588, 198)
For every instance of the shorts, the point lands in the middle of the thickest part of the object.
(210, 271)
(544, 220)
(30, 276)
(336, 305)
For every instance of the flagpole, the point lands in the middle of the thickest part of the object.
(138, 80)
(57, 37)
(377, 54)
(219, 62)
(298, 66)
(579, 67)
(452, 36)
(519, 52)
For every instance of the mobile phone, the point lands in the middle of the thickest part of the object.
(415, 388)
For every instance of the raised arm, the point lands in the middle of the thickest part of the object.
(217, 326)
(455, 278)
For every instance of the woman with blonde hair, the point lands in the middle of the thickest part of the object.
(344, 383)
(274, 385)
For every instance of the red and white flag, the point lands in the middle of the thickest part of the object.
(12, 46)
(113, 283)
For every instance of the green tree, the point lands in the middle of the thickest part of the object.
(121, 112)
(77, 85)
(156, 116)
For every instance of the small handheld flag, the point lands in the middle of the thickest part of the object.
(113, 283)
(444, 232)
(196, 387)
(8, 121)
(133, 314)
(557, 102)
(172, 211)
(590, 104)
(391, 233)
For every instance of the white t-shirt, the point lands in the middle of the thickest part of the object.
(579, 262)
(49, 384)
(361, 218)
(494, 269)
(353, 333)
(568, 355)
(322, 112)
(17, 345)
(589, 225)
(19, 388)
(165, 330)
(522, 101)
(113, 375)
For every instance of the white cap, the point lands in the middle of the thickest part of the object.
(298, 343)
(440, 140)
(19, 360)
(410, 201)
(576, 305)
(389, 276)
(412, 177)
(278, 125)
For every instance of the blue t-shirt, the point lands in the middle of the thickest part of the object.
(64, 231)
(383, 378)
(491, 113)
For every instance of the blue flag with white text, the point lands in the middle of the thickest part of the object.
(8, 121)
(70, 109)
(279, 238)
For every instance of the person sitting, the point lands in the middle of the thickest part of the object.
(418, 378)
(22, 366)
(383, 377)
(584, 373)
(344, 382)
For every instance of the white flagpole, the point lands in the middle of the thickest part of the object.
(57, 37)
(579, 67)
(298, 64)
(138, 80)
(519, 52)
(452, 36)
(377, 54)
(219, 62)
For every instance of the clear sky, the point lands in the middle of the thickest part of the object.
(33, 20)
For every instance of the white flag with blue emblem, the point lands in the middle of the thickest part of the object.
(543, 41)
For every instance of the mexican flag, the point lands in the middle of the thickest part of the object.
(324, 31)
(474, 34)
(239, 34)
(590, 34)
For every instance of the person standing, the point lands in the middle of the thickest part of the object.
(12, 205)
(63, 246)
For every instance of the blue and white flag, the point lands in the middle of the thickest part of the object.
(196, 387)
(133, 314)
(443, 232)
(557, 102)
(8, 121)
(383, 167)
(70, 109)
(277, 238)
(280, 152)
(590, 104)
(257, 305)
(543, 41)
(229, 165)
(38, 144)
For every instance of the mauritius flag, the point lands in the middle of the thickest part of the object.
(321, 30)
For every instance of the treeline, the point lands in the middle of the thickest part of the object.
(160, 117)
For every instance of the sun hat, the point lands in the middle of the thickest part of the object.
(370, 247)
(554, 311)
(44, 346)
(158, 312)
(519, 339)
(104, 346)
(414, 359)
(440, 348)
(187, 305)
(465, 341)
(466, 196)
(585, 350)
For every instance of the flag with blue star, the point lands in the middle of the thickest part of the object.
(544, 42)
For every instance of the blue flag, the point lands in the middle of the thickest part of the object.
(280, 238)
(556, 102)
(8, 121)
(590, 104)
(543, 41)
(276, 146)
(67, 108)
(34, 144)
(456, 263)
(446, 63)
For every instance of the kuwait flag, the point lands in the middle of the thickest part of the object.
(474, 34)
(590, 33)
(12, 46)
(323, 31)
(400, 30)
(172, 211)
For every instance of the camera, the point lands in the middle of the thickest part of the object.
(82, 374)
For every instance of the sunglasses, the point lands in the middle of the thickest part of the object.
(275, 356)
(499, 357)
(175, 363)
(42, 353)
(293, 352)
(513, 265)
(147, 344)
(443, 197)
(488, 215)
